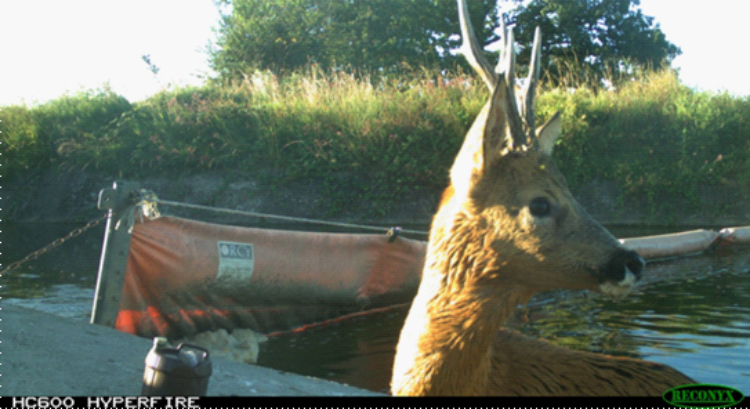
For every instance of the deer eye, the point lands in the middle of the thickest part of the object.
(540, 207)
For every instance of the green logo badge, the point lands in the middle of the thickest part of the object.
(703, 395)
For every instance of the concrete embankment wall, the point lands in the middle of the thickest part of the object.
(55, 196)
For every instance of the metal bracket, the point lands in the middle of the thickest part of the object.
(393, 233)
(118, 201)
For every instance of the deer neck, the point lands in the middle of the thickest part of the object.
(446, 343)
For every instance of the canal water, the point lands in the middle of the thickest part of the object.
(691, 313)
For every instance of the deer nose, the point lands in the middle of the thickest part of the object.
(623, 261)
(635, 263)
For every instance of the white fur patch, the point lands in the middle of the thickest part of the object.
(620, 289)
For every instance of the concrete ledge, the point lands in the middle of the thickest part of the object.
(47, 355)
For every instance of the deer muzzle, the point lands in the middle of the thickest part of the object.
(618, 276)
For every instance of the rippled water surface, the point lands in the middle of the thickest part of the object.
(691, 313)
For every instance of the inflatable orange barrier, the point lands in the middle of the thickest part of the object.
(184, 277)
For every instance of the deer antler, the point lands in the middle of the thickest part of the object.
(471, 48)
(529, 89)
(521, 123)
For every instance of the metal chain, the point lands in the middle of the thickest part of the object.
(57, 242)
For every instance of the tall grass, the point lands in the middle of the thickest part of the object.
(651, 135)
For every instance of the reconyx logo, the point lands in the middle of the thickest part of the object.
(703, 396)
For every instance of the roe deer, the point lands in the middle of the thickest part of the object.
(507, 228)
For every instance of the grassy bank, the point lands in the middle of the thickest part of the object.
(651, 137)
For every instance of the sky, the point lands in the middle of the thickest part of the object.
(52, 47)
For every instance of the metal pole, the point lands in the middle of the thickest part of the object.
(118, 200)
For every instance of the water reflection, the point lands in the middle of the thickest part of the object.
(357, 352)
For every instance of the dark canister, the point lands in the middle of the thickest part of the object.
(181, 371)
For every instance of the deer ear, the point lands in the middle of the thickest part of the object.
(486, 140)
(495, 133)
(547, 134)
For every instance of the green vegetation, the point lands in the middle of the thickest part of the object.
(286, 35)
(383, 36)
(595, 34)
(652, 136)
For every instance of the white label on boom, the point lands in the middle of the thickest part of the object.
(236, 260)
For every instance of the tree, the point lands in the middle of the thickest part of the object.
(381, 35)
(595, 35)
(283, 35)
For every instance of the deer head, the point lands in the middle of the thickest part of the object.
(507, 194)
(507, 228)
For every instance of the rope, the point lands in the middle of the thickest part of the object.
(287, 218)
(145, 204)
(337, 319)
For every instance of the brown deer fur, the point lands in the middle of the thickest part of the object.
(507, 228)
(525, 366)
